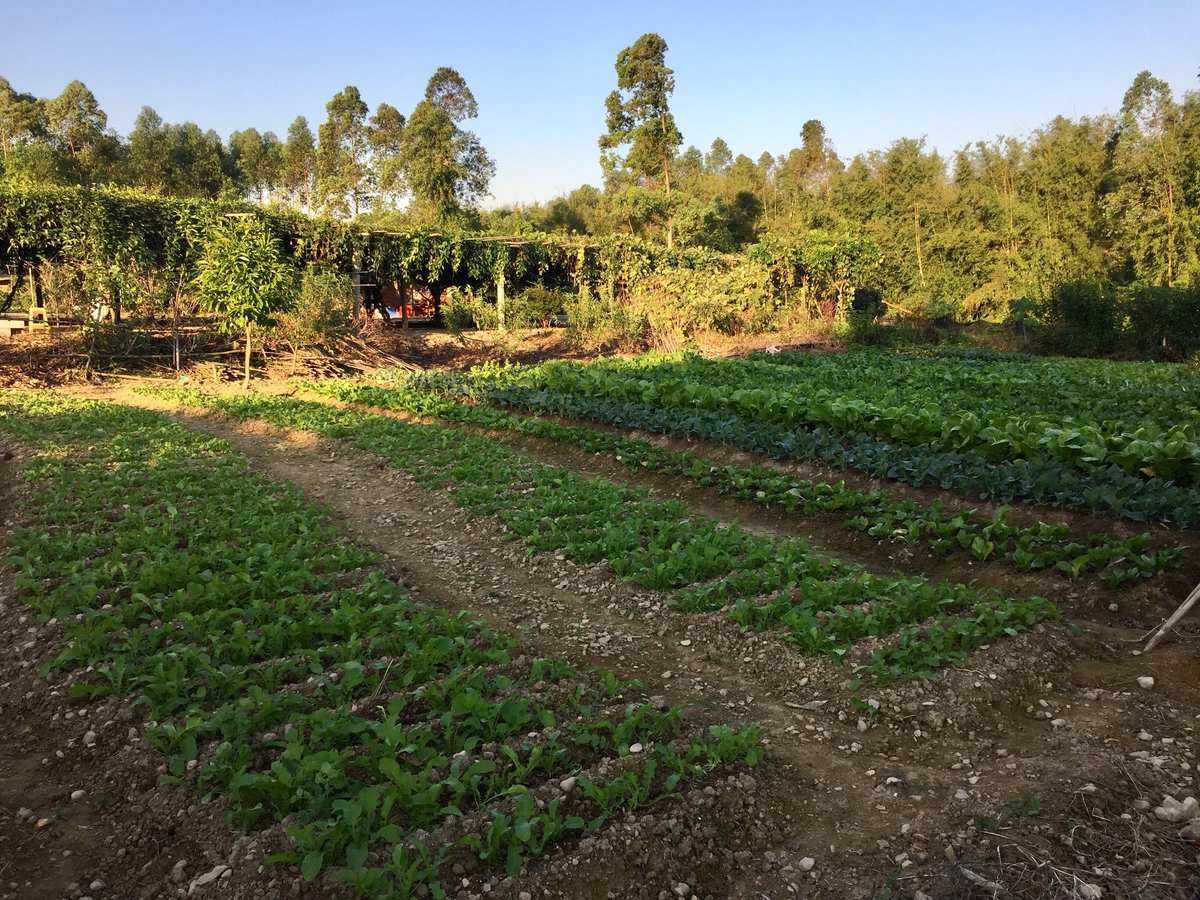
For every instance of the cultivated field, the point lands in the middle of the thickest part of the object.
(853, 625)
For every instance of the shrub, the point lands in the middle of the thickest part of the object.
(462, 311)
(862, 328)
(594, 322)
(323, 311)
(1164, 322)
(535, 307)
(1082, 318)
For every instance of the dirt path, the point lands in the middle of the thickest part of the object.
(986, 769)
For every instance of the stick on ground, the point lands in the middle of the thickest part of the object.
(1183, 610)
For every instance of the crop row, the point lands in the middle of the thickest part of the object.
(951, 405)
(1107, 490)
(279, 669)
(748, 388)
(876, 513)
(1115, 396)
(663, 545)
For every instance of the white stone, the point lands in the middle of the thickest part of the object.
(1173, 810)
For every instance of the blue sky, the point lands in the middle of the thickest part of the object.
(751, 73)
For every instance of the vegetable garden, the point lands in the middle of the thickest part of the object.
(854, 537)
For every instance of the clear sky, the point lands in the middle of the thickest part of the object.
(748, 72)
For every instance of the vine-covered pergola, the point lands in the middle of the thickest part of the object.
(104, 233)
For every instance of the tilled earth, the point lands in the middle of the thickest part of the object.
(1034, 770)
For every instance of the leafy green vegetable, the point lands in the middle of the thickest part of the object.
(279, 668)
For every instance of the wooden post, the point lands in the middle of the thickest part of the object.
(500, 300)
(38, 307)
(246, 382)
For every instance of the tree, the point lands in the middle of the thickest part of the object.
(76, 127)
(446, 168)
(259, 161)
(299, 163)
(343, 144)
(22, 117)
(243, 278)
(178, 160)
(639, 117)
(22, 125)
(1063, 179)
(689, 166)
(1152, 222)
(448, 90)
(719, 157)
(813, 144)
(386, 134)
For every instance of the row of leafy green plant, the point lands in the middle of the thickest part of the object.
(664, 545)
(875, 513)
(665, 406)
(1120, 396)
(936, 416)
(277, 667)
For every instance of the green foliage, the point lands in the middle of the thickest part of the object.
(110, 234)
(535, 307)
(639, 112)
(341, 156)
(874, 513)
(1083, 318)
(1111, 200)
(462, 310)
(323, 310)
(1105, 436)
(242, 277)
(445, 166)
(1164, 323)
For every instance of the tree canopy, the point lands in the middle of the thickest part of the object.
(963, 231)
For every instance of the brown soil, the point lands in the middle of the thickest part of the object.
(1014, 768)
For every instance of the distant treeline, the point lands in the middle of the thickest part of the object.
(355, 161)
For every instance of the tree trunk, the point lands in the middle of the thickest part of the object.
(246, 381)
(500, 318)
(175, 324)
(917, 232)
(13, 288)
(35, 285)
(670, 214)
(436, 291)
